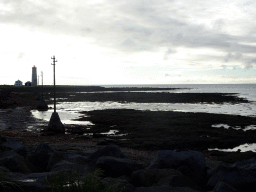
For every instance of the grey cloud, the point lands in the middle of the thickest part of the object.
(128, 43)
(128, 26)
(218, 25)
(168, 52)
(250, 64)
(233, 57)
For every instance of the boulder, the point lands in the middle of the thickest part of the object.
(249, 164)
(67, 168)
(224, 187)
(174, 178)
(110, 150)
(189, 163)
(77, 158)
(14, 162)
(35, 181)
(4, 173)
(160, 177)
(118, 184)
(42, 106)
(18, 147)
(237, 177)
(144, 177)
(115, 167)
(54, 159)
(41, 156)
(164, 188)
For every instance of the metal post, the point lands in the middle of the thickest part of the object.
(54, 94)
(55, 124)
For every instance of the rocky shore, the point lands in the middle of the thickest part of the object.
(161, 151)
(168, 170)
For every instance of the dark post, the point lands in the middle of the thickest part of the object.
(54, 94)
(55, 124)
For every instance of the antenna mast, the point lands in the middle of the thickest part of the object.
(55, 124)
(53, 58)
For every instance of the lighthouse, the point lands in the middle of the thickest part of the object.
(34, 76)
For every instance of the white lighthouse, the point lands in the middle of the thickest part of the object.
(34, 76)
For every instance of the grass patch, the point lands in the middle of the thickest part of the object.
(91, 183)
(6, 184)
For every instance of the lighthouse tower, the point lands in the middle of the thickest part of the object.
(34, 76)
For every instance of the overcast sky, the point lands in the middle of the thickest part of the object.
(128, 41)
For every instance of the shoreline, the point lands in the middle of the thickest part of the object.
(154, 122)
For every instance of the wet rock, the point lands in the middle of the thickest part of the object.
(224, 187)
(18, 147)
(110, 150)
(145, 177)
(115, 167)
(77, 158)
(175, 179)
(118, 184)
(249, 164)
(42, 106)
(35, 181)
(189, 163)
(68, 167)
(14, 162)
(54, 159)
(160, 177)
(164, 188)
(235, 176)
(41, 156)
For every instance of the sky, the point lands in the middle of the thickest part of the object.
(99, 42)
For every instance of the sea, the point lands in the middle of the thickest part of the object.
(69, 111)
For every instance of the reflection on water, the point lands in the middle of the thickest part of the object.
(250, 127)
(243, 148)
(109, 133)
(70, 110)
(28, 180)
(66, 116)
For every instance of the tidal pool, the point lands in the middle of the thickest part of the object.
(242, 148)
(250, 127)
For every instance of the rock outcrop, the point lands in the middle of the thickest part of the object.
(178, 171)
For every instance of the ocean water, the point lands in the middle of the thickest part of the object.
(68, 111)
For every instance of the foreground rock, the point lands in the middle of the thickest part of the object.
(189, 163)
(178, 171)
(241, 176)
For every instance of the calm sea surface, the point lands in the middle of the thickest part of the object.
(68, 111)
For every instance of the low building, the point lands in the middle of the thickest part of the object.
(18, 83)
(28, 84)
